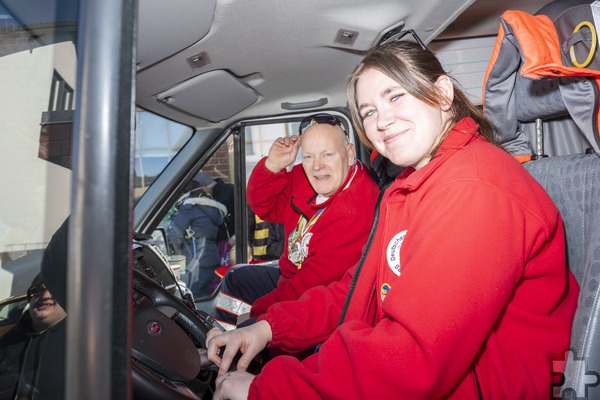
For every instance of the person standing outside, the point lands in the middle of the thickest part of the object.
(32, 352)
(194, 231)
(326, 205)
(224, 193)
(464, 291)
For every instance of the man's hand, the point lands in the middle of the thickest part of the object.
(282, 153)
(250, 340)
(233, 385)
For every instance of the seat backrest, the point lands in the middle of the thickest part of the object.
(573, 182)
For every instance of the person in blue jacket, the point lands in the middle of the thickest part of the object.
(193, 232)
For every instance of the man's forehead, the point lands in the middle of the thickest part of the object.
(323, 134)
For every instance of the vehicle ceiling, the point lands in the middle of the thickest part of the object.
(263, 53)
(210, 63)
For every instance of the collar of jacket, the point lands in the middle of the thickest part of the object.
(206, 201)
(461, 134)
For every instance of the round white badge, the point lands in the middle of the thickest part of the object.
(393, 252)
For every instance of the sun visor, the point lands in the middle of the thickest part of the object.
(213, 96)
(156, 41)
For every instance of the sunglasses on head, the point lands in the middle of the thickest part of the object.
(319, 119)
(36, 291)
(396, 35)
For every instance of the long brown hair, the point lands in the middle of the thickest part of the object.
(416, 70)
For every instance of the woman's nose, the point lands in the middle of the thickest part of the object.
(385, 117)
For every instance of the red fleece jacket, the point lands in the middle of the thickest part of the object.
(338, 236)
(466, 270)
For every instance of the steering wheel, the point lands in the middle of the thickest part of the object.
(167, 334)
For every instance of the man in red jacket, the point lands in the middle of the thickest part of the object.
(326, 205)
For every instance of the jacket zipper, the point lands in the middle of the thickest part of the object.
(363, 256)
(479, 393)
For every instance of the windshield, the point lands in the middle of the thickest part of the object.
(38, 73)
(38, 82)
(157, 141)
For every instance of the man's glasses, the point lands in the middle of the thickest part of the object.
(396, 35)
(36, 291)
(319, 119)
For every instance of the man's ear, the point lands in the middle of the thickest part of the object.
(446, 89)
(351, 153)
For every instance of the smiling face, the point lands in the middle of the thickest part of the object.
(326, 157)
(45, 311)
(402, 128)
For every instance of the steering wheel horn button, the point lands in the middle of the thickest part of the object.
(154, 328)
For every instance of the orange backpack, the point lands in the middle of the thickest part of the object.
(543, 79)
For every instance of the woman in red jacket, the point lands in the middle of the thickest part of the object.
(464, 292)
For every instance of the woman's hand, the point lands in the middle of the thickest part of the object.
(250, 340)
(233, 386)
(282, 153)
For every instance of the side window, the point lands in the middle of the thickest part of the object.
(200, 225)
(265, 238)
(259, 138)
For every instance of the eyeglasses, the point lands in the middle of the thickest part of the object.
(319, 119)
(396, 35)
(36, 291)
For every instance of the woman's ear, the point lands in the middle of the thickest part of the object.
(446, 89)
